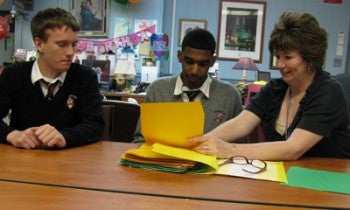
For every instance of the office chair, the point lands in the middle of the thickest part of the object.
(252, 90)
(123, 120)
(107, 116)
(344, 80)
(258, 134)
(264, 76)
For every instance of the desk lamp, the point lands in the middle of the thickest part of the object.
(124, 72)
(245, 64)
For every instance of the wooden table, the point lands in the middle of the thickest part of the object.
(35, 196)
(139, 97)
(96, 167)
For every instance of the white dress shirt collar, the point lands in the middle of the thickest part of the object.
(37, 75)
(180, 87)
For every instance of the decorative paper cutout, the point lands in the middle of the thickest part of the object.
(107, 45)
(159, 45)
(4, 27)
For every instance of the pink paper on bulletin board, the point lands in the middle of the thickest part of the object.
(333, 1)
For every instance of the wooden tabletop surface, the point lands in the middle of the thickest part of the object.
(33, 196)
(96, 167)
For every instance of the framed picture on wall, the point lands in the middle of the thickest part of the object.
(101, 67)
(93, 17)
(241, 29)
(186, 25)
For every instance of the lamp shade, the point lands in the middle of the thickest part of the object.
(125, 67)
(245, 63)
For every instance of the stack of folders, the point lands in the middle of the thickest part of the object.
(166, 128)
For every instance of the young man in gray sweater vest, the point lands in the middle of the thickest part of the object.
(221, 100)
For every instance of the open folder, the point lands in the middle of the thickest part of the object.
(166, 128)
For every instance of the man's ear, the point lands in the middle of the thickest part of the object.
(38, 43)
(213, 60)
(179, 56)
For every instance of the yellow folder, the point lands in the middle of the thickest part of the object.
(171, 123)
(166, 128)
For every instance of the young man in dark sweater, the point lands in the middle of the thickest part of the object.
(54, 103)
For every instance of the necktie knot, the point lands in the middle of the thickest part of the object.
(192, 94)
(50, 88)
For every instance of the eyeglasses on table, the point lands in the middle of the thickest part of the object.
(258, 166)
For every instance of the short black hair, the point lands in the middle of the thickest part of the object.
(199, 39)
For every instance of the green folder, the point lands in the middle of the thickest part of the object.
(318, 180)
(198, 168)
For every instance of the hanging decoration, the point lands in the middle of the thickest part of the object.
(107, 45)
(1, 1)
(127, 3)
(159, 45)
(4, 27)
(132, 2)
(123, 2)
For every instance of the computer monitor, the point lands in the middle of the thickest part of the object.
(264, 76)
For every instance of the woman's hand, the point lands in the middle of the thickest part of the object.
(211, 145)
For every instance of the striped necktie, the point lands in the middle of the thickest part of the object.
(192, 94)
(50, 88)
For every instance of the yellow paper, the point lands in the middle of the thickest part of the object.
(171, 123)
(166, 128)
(145, 48)
(145, 151)
(185, 154)
(274, 171)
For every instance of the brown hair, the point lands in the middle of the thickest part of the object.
(52, 18)
(300, 32)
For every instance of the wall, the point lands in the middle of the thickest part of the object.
(145, 10)
(333, 17)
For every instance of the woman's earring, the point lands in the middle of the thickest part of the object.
(309, 69)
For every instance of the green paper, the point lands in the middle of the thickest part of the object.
(318, 180)
(198, 168)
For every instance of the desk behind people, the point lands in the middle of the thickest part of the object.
(124, 96)
(95, 167)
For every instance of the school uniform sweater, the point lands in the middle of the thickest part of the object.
(224, 102)
(75, 111)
